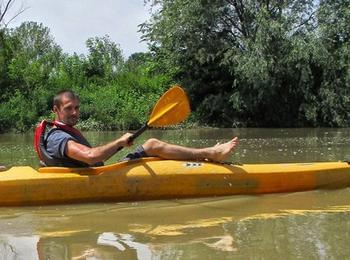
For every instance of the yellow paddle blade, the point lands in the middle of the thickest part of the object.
(172, 108)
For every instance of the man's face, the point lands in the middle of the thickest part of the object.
(68, 111)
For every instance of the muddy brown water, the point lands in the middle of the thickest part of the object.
(307, 225)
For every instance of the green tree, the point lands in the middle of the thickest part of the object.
(125, 101)
(188, 44)
(35, 56)
(31, 62)
(70, 72)
(271, 66)
(334, 59)
(253, 63)
(5, 56)
(104, 59)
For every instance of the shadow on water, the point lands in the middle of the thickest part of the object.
(310, 225)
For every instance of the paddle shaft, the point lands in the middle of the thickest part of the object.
(138, 132)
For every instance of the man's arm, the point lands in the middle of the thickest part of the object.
(93, 155)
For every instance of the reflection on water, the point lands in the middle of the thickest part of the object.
(299, 225)
(308, 225)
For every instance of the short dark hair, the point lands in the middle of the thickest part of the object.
(57, 100)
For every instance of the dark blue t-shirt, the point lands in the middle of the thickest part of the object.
(56, 143)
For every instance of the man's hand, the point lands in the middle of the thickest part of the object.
(124, 140)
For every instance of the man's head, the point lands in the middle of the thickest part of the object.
(66, 107)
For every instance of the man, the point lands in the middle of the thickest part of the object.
(72, 150)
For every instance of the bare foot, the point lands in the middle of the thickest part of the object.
(2, 168)
(220, 152)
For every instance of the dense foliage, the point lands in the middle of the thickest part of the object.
(263, 63)
(257, 62)
(115, 94)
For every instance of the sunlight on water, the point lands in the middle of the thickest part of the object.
(336, 209)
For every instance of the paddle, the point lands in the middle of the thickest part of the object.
(172, 108)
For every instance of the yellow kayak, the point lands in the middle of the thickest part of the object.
(153, 178)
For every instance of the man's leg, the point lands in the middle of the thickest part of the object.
(219, 152)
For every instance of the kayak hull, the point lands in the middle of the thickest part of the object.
(151, 178)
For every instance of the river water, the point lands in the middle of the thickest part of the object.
(307, 225)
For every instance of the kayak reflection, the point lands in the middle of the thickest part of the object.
(296, 224)
(108, 245)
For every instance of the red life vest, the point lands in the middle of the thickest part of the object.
(39, 137)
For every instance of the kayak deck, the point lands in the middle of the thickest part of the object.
(153, 178)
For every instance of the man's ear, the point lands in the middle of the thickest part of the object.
(55, 109)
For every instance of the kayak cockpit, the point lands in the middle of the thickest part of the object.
(97, 170)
